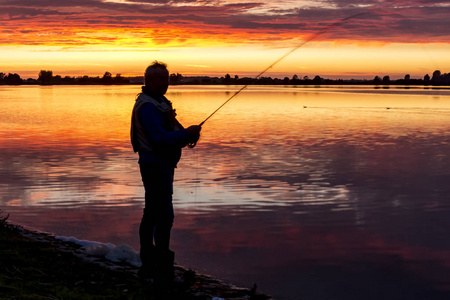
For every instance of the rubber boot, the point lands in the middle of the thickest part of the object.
(149, 258)
(165, 267)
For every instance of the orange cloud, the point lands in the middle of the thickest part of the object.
(130, 24)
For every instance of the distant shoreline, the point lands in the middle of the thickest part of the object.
(47, 78)
(309, 84)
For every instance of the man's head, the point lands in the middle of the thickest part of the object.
(157, 77)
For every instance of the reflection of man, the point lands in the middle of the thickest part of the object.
(158, 138)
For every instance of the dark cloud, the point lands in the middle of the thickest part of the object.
(17, 12)
(374, 20)
(51, 3)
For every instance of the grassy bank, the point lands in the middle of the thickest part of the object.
(46, 268)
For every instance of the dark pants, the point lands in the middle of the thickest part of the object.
(157, 220)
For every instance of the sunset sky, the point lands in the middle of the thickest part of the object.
(89, 37)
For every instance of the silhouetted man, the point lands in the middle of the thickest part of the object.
(158, 138)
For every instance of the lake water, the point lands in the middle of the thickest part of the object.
(312, 193)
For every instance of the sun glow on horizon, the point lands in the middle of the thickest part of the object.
(336, 60)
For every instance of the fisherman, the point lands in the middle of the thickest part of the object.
(158, 138)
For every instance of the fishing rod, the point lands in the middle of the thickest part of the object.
(335, 24)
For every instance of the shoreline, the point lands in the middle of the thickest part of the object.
(189, 284)
(399, 85)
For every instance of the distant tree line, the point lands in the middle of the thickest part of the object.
(10, 78)
(436, 79)
(46, 77)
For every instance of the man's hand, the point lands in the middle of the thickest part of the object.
(194, 134)
(194, 129)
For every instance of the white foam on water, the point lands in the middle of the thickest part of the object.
(111, 252)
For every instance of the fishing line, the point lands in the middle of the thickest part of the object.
(335, 24)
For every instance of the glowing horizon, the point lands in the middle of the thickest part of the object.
(214, 38)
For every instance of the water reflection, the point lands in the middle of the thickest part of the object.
(313, 193)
